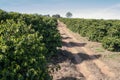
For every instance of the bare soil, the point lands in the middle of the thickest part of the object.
(81, 59)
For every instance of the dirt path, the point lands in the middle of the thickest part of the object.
(85, 61)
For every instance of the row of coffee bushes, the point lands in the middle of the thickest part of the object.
(27, 41)
(105, 31)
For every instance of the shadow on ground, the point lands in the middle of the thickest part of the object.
(72, 44)
(69, 78)
(64, 55)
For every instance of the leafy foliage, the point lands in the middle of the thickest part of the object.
(105, 31)
(111, 43)
(26, 44)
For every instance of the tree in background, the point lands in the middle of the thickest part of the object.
(68, 14)
(56, 16)
(47, 15)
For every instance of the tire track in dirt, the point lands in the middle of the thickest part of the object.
(90, 65)
(81, 66)
(102, 67)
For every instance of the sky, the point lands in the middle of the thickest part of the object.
(97, 9)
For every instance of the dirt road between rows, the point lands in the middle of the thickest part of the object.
(86, 63)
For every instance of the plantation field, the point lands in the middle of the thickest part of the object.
(81, 59)
(35, 47)
(105, 31)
